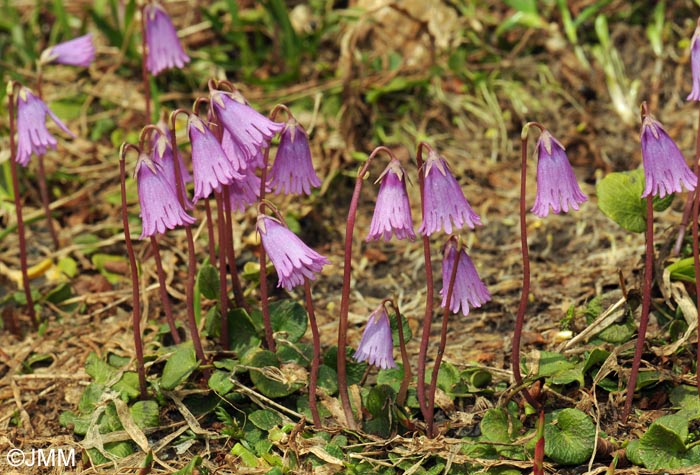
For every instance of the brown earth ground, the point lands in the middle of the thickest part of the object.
(575, 256)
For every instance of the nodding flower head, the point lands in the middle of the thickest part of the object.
(164, 48)
(392, 212)
(162, 154)
(695, 65)
(32, 134)
(251, 130)
(79, 51)
(293, 171)
(244, 192)
(469, 290)
(557, 187)
(444, 204)
(211, 167)
(665, 169)
(160, 208)
(293, 260)
(376, 346)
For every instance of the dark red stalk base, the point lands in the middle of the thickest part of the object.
(18, 209)
(646, 306)
(441, 350)
(210, 233)
(538, 461)
(316, 360)
(264, 304)
(231, 254)
(223, 287)
(136, 314)
(520, 318)
(403, 389)
(696, 256)
(44, 192)
(191, 321)
(167, 307)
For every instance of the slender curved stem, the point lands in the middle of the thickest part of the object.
(191, 320)
(136, 313)
(403, 389)
(429, 291)
(441, 348)
(646, 306)
(210, 233)
(43, 189)
(316, 360)
(144, 69)
(520, 318)
(264, 304)
(167, 306)
(345, 295)
(224, 337)
(231, 253)
(18, 207)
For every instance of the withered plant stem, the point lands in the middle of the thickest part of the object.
(520, 318)
(18, 209)
(136, 304)
(441, 349)
(646, 307)
(316, 360)
(223, 285)
(167, 306)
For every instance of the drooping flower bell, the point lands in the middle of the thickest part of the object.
(233, 152)
(160, 208)
(164, 48)
(32, 134)
(211, 167)
(376, 345)
(557, 187)
(79, 51)
(695, 64)
(293, 260)
(163, 155)
(392, 212)
(251, 130)
(469, 290)
(444, 203)
(665, 169)
(293, 171)
(244, 192)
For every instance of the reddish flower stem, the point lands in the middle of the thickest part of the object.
(316, 360)
(429, 293)
(136, 306)
(210, 233)
(441, 348)
(43, 189)
(44, 193)
(646, 307)
(144, 69)
(224, 337)
(231, 253)
(264, 304)
(696, 254)
(18, 207)
(538, 461)
(192, 260)
(345, 294)
(403, 389)
(167, 306)
(520, 318)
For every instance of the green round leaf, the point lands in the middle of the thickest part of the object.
(145, 414)
(264, 419)
(289, 318)
(270, 378)
(620, 199)
(179, 366)
(570, 438)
